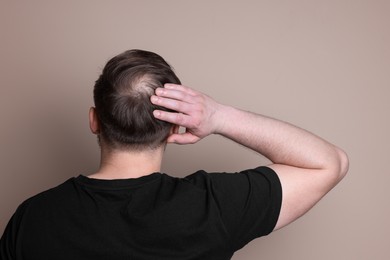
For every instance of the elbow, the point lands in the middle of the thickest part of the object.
(337, 167)
(336, 170)
(342, 164)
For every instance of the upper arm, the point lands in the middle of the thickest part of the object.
(302, 189)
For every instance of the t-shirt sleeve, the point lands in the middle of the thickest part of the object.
(249, 203)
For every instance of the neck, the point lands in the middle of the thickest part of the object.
(116, 164)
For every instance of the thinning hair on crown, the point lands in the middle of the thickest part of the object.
(122, 99)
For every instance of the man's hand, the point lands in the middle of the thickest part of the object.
(194, 111)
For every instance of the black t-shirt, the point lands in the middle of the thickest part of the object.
(201, 216)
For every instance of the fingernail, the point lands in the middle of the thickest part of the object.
(153, 99)
(156, 113)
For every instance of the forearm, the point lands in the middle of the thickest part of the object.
(280, 142)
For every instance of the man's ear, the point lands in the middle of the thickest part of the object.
(94, 121)
(174, 130)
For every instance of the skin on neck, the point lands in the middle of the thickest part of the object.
(119, 164)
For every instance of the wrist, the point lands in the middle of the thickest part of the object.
(223, 119)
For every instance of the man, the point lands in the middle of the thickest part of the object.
(129, 210)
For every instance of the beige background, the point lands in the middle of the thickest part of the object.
(323, 65)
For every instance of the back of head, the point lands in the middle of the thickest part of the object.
(122, 99)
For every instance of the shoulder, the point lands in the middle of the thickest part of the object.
(37, 206)
(47, 198)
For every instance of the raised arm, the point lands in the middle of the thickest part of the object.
(308, 166)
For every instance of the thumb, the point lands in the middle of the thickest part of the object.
(183, 138)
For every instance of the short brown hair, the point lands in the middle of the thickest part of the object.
(122, 99)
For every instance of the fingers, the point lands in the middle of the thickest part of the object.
(180, 88)
(173, 94)
(176, 97)
(179, 93)
(178, 106)
(179, 119)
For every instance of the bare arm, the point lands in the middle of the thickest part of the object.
(308, 166)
